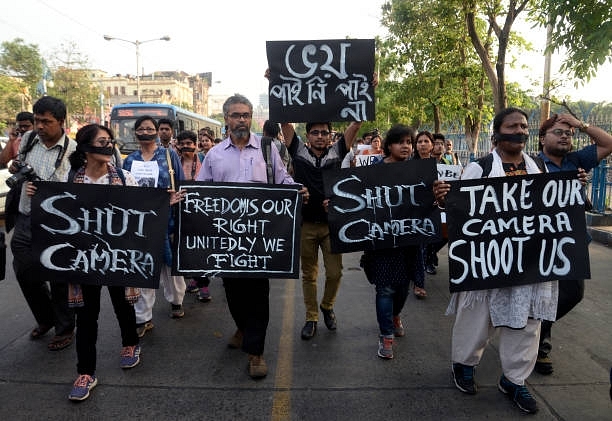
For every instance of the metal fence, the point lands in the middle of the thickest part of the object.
(599, 187)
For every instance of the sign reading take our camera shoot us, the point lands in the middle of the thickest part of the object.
(323, 80)
(238, 230)
(382, 206)
(519, 230)
(100, 234)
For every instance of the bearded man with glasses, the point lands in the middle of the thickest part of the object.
(556, 146)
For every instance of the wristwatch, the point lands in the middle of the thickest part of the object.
(583, 126)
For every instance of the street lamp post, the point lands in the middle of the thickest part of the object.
(137, 44)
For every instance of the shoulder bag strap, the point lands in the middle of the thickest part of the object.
(170, 169)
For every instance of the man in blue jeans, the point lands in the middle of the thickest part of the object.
(555, 146)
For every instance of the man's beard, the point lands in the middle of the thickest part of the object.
(242, 133)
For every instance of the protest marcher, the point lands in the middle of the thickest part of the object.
(308, 164)
(46, 151)
(391, 269)
(309, 160)
(555, 144)
(516, 312)
(24, 123)
(186, 143)
(239, 158)
(91, 164)
(156, 166)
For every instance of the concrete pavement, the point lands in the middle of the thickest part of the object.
(187, 372)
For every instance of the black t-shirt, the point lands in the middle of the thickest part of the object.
(308, 170)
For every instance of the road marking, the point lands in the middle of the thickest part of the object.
(281, 401)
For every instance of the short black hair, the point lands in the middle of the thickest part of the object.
(395, 135)
(187, 134)
(25, 115)
(165, 121)
(49, 104)
(309, 125)
(145, 118)
(271, 129)
(500, 116)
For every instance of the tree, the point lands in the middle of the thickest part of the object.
(583, 28)
(429, 67)
(73, 84)
(21, 69)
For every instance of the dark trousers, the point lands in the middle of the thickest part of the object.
(202, 281)
(248, 300)
(571, 293)
(87, 324)
(49, 305)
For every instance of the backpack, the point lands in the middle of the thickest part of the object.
(266, 150)
(486, 163)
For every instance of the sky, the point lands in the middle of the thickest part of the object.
(227, 38)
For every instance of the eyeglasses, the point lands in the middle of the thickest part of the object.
(238, 116)
(104, 142)
(319, 132)
(145, 130)
(559, 132)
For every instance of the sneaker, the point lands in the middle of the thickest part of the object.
(177, 311)
(329, 317)
(142, 328)
(81, 387)
(130, 356)
(192, 286)
(204, 295)
(463, 375)
(398, 327)
(544, 365)
(519, 394)
(385, 347)
(257, 367)
(235, 341)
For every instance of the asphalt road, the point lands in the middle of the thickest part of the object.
(188, 373)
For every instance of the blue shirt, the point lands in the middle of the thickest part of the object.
(585, 158)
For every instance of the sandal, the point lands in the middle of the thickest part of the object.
(59, 342)
(39, 331)
(420, 292)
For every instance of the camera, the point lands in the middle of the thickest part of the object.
(24, 172)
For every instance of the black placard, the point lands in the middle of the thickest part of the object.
(100, 234)
(382, 206)
(519, 230)
(239, 230)
(323, 80)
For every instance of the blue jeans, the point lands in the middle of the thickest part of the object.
(390, 300)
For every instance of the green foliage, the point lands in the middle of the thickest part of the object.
(11, 98)
(583, 28)
(21, 61)
(20, 68)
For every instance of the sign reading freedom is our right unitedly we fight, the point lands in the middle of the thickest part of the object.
(246, 230)
(509, 231)
(323, 80)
